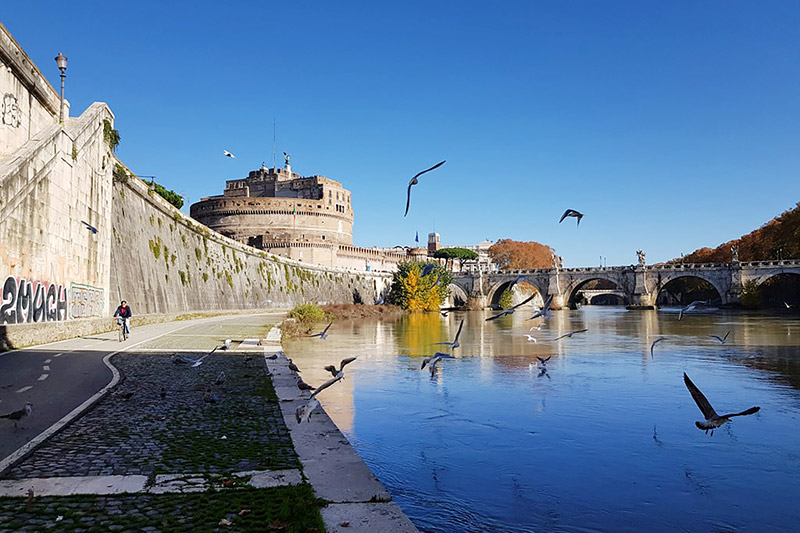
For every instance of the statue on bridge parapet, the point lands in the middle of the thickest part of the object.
(735, 253)
(641, 255)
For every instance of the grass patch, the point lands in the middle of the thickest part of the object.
(290, 509)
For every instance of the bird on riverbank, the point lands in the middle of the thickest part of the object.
(415, 181)
(510, 310)
(431, 362)
(228, 154)
(455, 344)
(721, 339)
(19, 414)
(210, 397)
(712, 419)
(322, 334)
(293, 367)
(571, 213)
(271, 357)
(332, 369)
(545, 311)
(302, 385)
(654, 344)
(570, 334)
(690, 307)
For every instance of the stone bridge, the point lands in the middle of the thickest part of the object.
(639, 285)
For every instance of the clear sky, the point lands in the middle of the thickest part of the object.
(671, 125)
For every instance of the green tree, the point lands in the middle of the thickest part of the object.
(170, 196)
(506, 299)
(448, 254)
(750, 297)
(414, 292)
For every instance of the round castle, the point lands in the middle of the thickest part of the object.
(273, 207)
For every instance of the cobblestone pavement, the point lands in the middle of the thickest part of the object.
(284, 509)
(134, 430)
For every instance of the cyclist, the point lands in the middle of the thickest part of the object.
(123, 312)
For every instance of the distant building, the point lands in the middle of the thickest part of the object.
(305, 218)
(272, 206)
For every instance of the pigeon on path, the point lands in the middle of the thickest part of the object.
(19, 414)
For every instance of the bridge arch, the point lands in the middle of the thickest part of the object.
(458, 296)
(708, 289)
(497, 289)
(779, 289)
(603, 282)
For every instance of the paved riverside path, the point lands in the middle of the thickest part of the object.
(59, 377)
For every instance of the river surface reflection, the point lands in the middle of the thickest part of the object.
(604, 442)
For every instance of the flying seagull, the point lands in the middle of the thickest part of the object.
(332, 369)
(19, 414)
(323, 334)
(531, 338)
(721, 339)
(570, 334)
(545, 310)
(89, 227)
(690, 307)
(415, 181)
(427, 269)
(571, 213)
(228, 154)
(510, 310)
(455, 344)
(543, 362)
(304, 411)
(432, 361)
(654, 344)
(712, 419)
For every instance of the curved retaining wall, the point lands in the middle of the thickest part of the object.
(163, 261)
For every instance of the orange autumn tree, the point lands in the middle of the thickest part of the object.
(779, 238)
(516, 255)
(414, 292)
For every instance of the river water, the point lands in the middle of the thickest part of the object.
(605, 441)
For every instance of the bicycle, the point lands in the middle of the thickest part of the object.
(124, 328)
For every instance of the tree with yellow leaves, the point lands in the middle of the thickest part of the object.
(414, 292)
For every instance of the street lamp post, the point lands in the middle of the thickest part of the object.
(61, 61)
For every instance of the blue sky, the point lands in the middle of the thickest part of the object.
(671, 125)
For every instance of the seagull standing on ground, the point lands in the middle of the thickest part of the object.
(323, 334)
(570, 334)
(721, 339)
(654, 344)
(712, 419)
(455, 344)
(228, 154)
(510, 310)
(415, 181)
(571, 213)
(19, 414)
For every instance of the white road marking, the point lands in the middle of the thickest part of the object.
(43, 377)
(48, 361)
(25, 388)
(58, 354)
(46, 368)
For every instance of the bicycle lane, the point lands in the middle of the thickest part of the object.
(57, 378)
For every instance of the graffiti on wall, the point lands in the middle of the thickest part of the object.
(85, 301)
(32, 301)
(10, 111)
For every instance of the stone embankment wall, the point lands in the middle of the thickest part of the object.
(165, 262)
